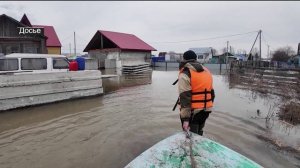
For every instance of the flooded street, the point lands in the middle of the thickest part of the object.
(135, 113)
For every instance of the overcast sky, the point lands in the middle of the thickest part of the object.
(168, 26)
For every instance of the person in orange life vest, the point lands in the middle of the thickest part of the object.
(196, 93)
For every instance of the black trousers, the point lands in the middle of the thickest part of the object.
(197, 121)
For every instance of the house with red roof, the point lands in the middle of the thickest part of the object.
(52, 43)
(115, 49)
(13, 38)
(23, 37)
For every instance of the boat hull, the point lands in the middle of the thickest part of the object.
(179, 151)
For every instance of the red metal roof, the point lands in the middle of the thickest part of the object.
(127, 41)
(53, 40)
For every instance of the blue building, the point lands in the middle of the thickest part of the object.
(241, 57)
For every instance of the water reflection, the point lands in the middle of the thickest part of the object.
(124, 80)
(25, 116)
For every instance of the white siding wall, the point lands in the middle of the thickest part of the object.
(100, 56)
(206, 57)
(115, 59)
(91, 64)
(129, 58)
(97, 55)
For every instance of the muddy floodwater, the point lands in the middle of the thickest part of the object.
(135, 113)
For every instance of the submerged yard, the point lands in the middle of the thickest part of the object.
(134, 114)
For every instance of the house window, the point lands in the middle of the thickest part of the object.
(9, 64)
(200, 56)
(60, 63)
(33, 63)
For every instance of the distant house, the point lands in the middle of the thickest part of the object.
(294, 60)
(162, 54)
(114, 49)
(173, 56)
(204, 54)
(12, 41)
(15, 39)
(298, 51)
(223, 58)
(52, 43)
(241, 57)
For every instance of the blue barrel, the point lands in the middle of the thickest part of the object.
(154, 59)
(81, 63)
(161, 59)
(158, 59)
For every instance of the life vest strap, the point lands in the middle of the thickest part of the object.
(205, 92)
(205, 98)
(201, 101)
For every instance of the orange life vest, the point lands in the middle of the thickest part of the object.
(201, 84)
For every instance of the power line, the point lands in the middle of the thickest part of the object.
(66, 44)
(240, 38)
(67, 38)
(80, 37)
(211, 38)
(264, 39)
(267, 34)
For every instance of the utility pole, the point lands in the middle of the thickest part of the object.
(252, 56)
(220, 64)
(227, 54)
(74, 45)
(268, 51)
(260, 45)
(70, 49)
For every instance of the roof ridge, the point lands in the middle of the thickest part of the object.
(115, 32)
(13, 19)
(42, 25)
(121, 40)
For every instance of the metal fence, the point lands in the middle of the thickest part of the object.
(265, 65)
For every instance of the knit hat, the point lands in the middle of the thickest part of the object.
(189, 55)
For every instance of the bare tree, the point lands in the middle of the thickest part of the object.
(214, 51)
(231, 50)
(255, 51)
(283, 54)
(223, 50)
(280, 55)
(241, 51)
(289, 50)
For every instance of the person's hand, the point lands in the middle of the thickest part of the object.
(186, 126)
